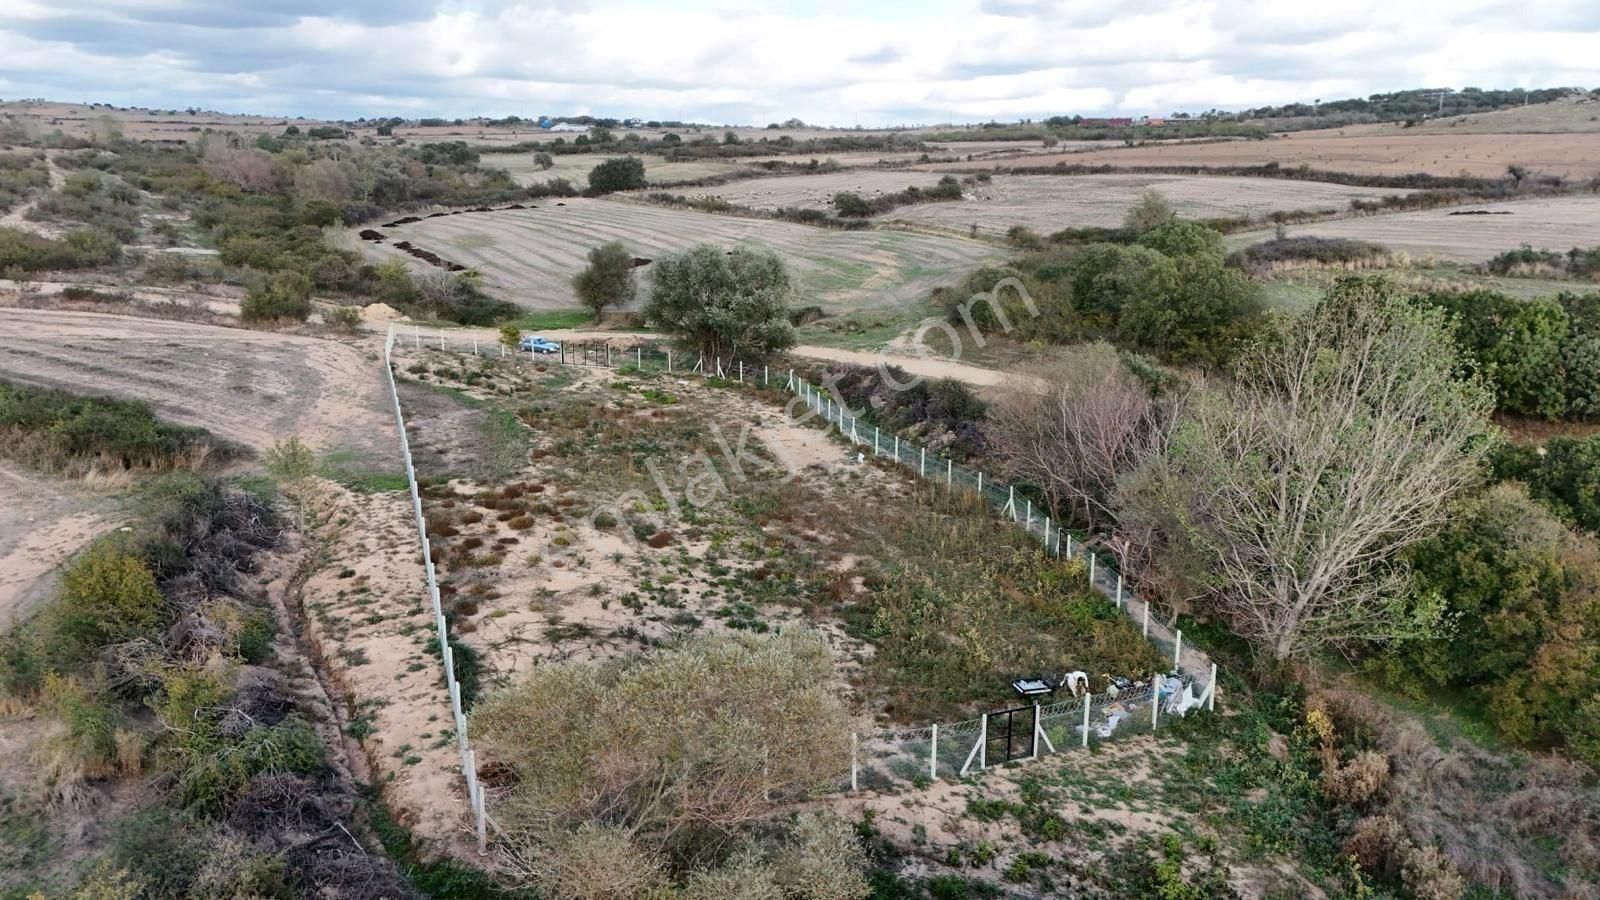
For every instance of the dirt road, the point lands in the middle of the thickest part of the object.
(42, 522)
(932, 366)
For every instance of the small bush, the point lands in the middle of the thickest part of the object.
(1358, 781)
(109, 596)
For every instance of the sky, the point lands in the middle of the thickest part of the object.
(829, 62)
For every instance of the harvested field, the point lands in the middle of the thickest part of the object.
(575, 168)
(1559, 224)
(528, 256)
(1049, 203)
(253, 387)
(1347, 150)
(816, 191)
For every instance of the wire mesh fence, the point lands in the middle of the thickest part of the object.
(469, 766)
(958, 749)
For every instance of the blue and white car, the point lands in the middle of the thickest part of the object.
(539, 345)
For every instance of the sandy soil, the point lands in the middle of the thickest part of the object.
(253, 387)
(370, 620)
(42, 523)
(1558, 224)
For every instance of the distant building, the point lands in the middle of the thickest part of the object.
(1152, 120)
(1123, 122)
(568, 126)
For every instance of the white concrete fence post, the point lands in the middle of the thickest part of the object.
(933, 754)
(1177, 649)
(854, 769)
(1087, 697)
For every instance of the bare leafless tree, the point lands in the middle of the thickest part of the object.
(1342, 443)
(1074, 426)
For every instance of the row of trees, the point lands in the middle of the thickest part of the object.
(1169, 292)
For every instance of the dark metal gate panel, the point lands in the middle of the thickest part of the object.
(1010, 735)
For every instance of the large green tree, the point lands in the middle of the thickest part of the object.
(1342, 442)
(607, 280)
(724, 304)
(624, 173)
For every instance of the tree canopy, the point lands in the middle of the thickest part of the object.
(723, 303)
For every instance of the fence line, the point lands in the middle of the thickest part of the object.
(469, 767)
(1088, 719)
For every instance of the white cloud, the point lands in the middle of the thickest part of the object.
(743, 61)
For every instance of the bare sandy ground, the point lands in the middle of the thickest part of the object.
(253, 387)
(42, 523)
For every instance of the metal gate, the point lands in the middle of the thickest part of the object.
(1010, 735)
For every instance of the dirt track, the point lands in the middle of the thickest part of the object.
(42, 522)
(253, 387)
(932, 366)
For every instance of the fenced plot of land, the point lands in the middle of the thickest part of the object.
(251, 387)
(576, 167)
(529, 256)
(1558, 224)
(1049, 203)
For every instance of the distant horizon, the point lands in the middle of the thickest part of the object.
(533, 118)
(874, 64)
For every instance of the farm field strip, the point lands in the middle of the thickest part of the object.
(1049, 203)
(1483, 155)
(575, 167)
(529, 256)
(247, 386)
(1558, 224)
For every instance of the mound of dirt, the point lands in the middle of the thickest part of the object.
(381, 312)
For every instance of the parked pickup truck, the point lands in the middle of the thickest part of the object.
(539, 345)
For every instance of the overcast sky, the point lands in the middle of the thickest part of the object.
(870, 62)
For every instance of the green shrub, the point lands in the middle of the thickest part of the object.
(56, 430)
(1520, 590)
(621, 174)
(1564, 474)
(288, 298)
(84, 249)
(108, 596)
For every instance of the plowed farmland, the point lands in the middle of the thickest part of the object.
(1048, 203)
(251, 387)
(529, 256)
(1556, 224)
(575, 168)
(1483, 155)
